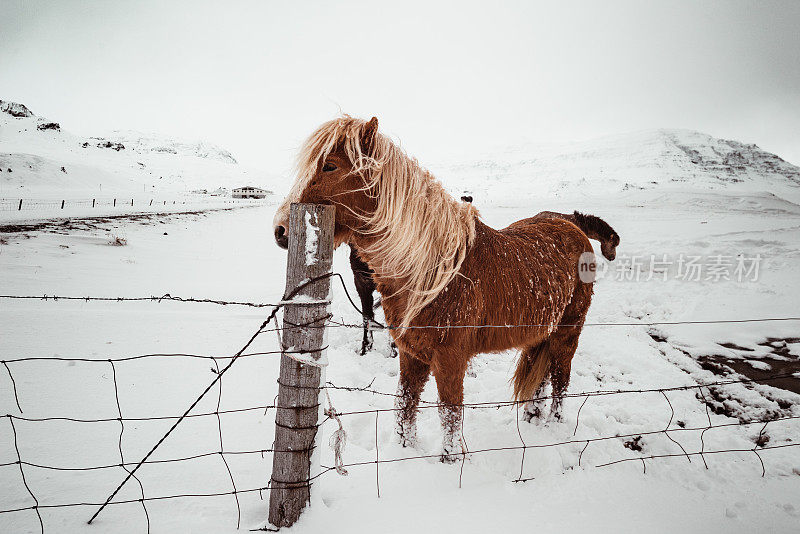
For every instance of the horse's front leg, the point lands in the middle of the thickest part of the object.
(450, 383)
(413, 376)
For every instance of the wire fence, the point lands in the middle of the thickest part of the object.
(121, 202)
(222, 363)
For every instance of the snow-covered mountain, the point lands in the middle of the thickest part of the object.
(38, 158)
(145, 144)
(655, 159)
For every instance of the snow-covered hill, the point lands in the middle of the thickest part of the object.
(654, 159)
(40, 159)
(145, 144)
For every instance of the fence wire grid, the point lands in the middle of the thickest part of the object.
(128, 468)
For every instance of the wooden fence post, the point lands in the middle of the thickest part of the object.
(296, 417)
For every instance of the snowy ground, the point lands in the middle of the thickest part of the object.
(231, 255)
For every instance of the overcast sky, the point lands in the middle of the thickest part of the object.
(257, 77)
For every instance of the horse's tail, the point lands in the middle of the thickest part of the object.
(532, 369)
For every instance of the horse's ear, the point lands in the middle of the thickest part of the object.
(368, 136)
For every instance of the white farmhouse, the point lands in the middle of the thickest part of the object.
(249, 192)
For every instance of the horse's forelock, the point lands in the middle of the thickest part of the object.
(312, 152)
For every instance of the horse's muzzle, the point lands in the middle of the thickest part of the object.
(281, 237)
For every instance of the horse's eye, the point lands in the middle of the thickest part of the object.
(328, 167)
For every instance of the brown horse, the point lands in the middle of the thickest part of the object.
(452, 287)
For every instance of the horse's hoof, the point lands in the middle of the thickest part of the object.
(451, 458)
(453, 451)
(532, 416)
(528, 416)
(408, 441)
(555, 417)
(407, 437)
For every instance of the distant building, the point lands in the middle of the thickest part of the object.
(249, 192)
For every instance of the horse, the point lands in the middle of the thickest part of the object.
(362, 278)
(594, 227)
(451, 286)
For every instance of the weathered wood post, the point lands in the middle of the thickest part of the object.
(310, 256)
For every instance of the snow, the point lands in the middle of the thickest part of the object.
(230, 255)
(149, 165)
(312, 238)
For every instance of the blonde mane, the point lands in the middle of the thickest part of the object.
(422, 232)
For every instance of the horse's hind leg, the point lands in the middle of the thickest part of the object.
(365, 286)
(534, 408)
(413, 376)
(564, 343)
(450, 383)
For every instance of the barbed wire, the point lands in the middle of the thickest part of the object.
(151, 298)
(131, 468)
(378, 325)
(37, 507)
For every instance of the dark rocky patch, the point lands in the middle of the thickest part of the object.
(634, 444)
(112, 145)
(725, 366)
(657, 336)
(15, 109)
(734, 346)
(722, 401)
